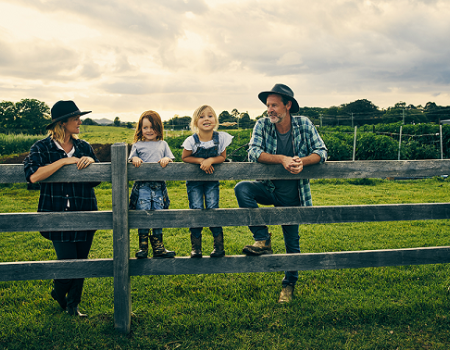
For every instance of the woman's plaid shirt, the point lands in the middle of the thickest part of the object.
(54, 196)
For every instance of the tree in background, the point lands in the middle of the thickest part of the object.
(178, 123)
(28, 116)
(89, 121)
(116, 121)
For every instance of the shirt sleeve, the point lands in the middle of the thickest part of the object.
(168, 151)
(133, 152)
(34, 160)
(224, 141)
(256, 142)
(189, 143)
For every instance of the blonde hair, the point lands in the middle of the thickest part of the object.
(157, 125)
(58, 132)
(196, 116)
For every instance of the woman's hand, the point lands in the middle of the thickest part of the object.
(84, 162)
(164, 161)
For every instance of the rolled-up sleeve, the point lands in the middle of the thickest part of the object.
(257, 144)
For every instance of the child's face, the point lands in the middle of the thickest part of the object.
(206, 121)
(147, 130)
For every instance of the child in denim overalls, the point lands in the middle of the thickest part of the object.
(205, 147)
(149, 147)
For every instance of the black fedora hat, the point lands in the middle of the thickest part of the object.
(62, 110)
(284, 90)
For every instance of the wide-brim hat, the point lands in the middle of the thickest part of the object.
(64, 109)
(281, 89)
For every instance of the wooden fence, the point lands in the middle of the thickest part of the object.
(119, 172)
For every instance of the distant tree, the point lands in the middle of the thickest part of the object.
(28, 116)
(116, 121)
(89, 121)
(178, 123)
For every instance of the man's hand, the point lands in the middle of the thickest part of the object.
(294, 165)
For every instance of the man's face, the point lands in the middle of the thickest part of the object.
(276, 109)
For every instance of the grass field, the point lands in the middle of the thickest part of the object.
(372, 308)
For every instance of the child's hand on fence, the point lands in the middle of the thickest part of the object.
(137, 161)
(164, 161)
(206, 166)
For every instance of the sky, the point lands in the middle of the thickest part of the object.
(121, 58)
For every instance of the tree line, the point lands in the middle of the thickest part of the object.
(31, 116)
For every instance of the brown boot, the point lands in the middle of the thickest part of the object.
(258, 248)
(196, 244)
(143, 247)
(159, 251)
(286, 295)
(218, 251)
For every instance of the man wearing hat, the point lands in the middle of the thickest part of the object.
(294, 142)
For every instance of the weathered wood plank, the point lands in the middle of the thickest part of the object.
(121, 240)
(243, 171)
(23, 222)
(288, 215)
(56, 221)
(291, 262)
(14, 173)
(41, 270)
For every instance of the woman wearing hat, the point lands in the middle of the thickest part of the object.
(62, 147)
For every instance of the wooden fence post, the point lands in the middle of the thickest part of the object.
(121, 240)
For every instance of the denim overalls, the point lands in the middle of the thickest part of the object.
(196, 190)
(149, 195)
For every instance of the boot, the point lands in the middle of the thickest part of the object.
(159, 251)
(143, 247)
(218, 251)
(60, 289)
(286, 295)
(259, 248)
(196, 244)
(74, 297)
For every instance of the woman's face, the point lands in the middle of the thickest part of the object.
(72, 126)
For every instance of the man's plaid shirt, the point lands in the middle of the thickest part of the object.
(55, 196)
(306, 141)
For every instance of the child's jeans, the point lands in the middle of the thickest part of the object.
(209, 190)
(150, 199)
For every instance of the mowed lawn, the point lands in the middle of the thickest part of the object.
(373, 308)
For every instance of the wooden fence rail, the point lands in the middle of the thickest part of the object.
(120, 220)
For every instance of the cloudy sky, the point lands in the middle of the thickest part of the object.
(120, 58)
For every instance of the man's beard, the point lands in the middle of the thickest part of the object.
(276, 118)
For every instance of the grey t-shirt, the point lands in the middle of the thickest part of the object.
(286, 191)
(151, 151)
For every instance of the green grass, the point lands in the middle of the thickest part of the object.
(373, 308)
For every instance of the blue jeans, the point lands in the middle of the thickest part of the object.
(209, 192)
(248, 195)
(150, 199)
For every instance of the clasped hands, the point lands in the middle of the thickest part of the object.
(294, 165)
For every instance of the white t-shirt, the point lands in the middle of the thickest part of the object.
(224, 141)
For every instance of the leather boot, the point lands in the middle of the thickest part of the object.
(60, 289)
(143, 247)
(74, 297)
(218, 251)
(159, 251)
(196, 244)
(259, 247)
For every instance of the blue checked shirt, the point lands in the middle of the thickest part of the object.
(306, 141)
(62, 196)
